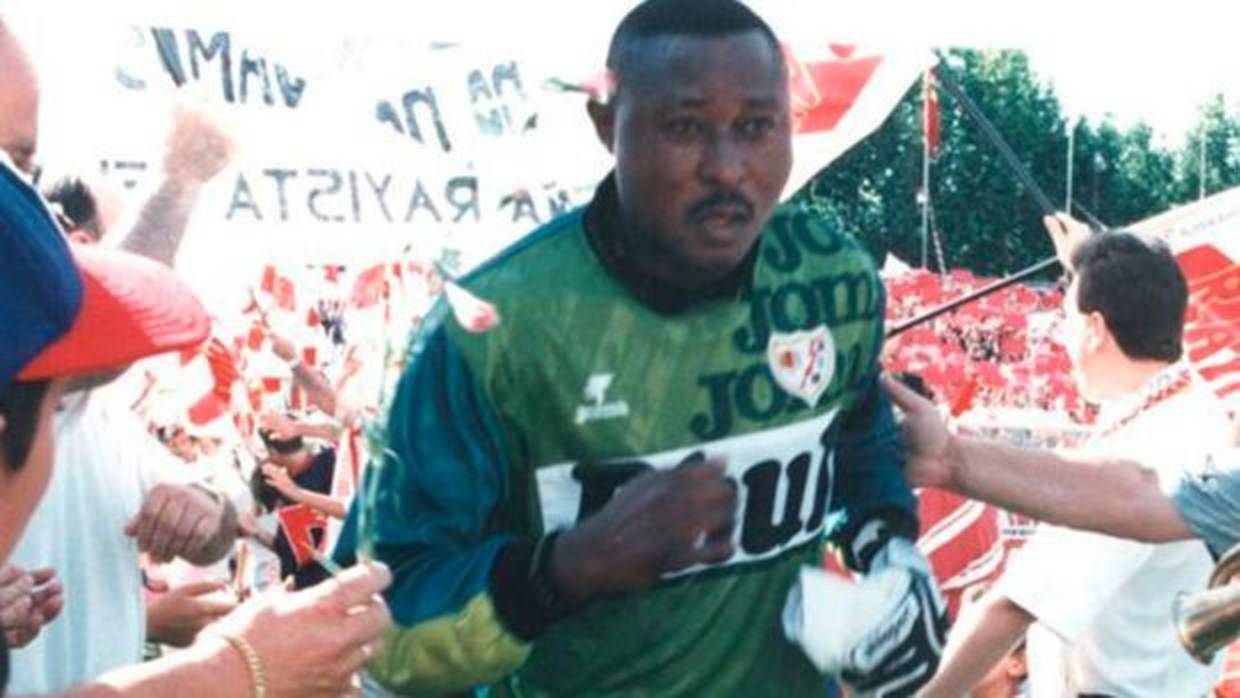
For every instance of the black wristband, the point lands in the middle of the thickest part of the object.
(879, 526)
(521, 588)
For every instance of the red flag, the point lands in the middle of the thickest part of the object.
(223, 368)
(840, 94)
(254, 339)
(370, 286)
(285, 293)
(300, 523)
(964, 399)
(268, 283)
(823, 91)
(930, 111)
(208, 409)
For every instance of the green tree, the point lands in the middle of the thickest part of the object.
(1221, 134)
(988, 223)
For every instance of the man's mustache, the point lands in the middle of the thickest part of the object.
(721, 199)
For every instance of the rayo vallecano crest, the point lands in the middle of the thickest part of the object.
(803, 362)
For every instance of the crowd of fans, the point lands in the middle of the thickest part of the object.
(1000, 352)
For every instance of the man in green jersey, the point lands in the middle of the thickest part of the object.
(613, 491)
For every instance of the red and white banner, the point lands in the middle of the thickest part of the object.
(842, 93)
(1206, 239)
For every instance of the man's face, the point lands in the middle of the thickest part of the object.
(702, 135)
(22, 489)
(19, 105)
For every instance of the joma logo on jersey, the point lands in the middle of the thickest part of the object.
(785, 477)
(833, 300)
(752, 394)
(597, 407)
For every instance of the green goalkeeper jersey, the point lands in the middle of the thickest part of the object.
(532, 425)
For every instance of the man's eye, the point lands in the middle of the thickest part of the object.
(684, 128)
(757, 127)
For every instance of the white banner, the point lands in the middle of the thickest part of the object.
(357, 141)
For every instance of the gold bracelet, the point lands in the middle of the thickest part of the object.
(258, 675)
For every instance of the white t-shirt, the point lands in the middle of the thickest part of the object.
(1103, 604)
(105, 463)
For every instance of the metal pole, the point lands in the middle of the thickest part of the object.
(999, 285)
(925, 197)
(1071, 150)
(1201, 192)
(946, 79)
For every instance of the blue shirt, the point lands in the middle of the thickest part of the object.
(1208, 498)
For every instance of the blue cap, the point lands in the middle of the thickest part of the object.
(82, 310)
(40, 288)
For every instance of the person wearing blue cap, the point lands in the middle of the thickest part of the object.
(65, 314)
(111, 482)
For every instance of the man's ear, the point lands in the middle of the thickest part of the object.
(1014, 664)
(1097, 334)
(603, 115)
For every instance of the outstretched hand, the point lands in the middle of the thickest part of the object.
(313, 642)
(29, 600)
(926, 436)
(1067, 234)
(176, 521)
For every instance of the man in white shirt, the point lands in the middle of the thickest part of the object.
(108, 486)
(1099, 606)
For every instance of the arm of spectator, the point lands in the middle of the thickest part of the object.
(197, 151)
(249, 527)
(983, 636)
(1117, 497)
(326, 431)
(319, 390)
(1066, 234)
(337, 626)
(186, 521)
(279, 479)
(284, 428)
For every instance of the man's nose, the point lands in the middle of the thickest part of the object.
(723, 161)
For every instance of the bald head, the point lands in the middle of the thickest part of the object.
(19, 101)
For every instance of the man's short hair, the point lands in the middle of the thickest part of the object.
(78, 205)
(284, 447)
(698, 18)
(1136, 284)
(21, 403)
